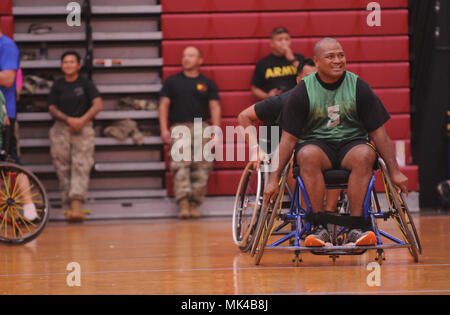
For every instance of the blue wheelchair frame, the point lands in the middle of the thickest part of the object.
(298, 214)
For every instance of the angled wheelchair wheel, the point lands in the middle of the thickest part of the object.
(401, 214)
(273, 212)
(24, 206)
(247, 207)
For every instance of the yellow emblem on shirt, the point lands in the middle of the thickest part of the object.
(202, 87)
(277, 72)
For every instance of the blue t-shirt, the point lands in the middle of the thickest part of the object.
(9, 60)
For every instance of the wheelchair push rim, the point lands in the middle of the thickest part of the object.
(274, 211)
(247, 206)
(19, 187)
(401, 214)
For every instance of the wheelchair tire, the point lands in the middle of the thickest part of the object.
(19, 187)
(272, 214)
(402, 215)
(247, 207)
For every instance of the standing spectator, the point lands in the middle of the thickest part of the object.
(184, 97)
(9, 65)
(277, 72)
(74, 102)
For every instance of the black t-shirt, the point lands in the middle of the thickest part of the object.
(189, 97)
(73, 98)
(274, 72)
(269, 112)
(371, 110)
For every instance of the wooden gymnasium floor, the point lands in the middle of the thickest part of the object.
(200, 258)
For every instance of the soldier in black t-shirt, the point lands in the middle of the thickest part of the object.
(74, 102)
(186, 96)
(277, 72)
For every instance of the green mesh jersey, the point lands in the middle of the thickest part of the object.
(333, 114)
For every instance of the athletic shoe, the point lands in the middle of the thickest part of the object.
(361, 238)
(319, 237)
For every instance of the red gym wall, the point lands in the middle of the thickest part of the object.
(6, 18)
(234, 34)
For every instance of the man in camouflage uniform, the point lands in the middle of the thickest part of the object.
(74, 102)
(185, 97)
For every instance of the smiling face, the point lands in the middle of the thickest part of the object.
(70, 65)
(330, 60)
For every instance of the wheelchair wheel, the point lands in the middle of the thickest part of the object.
(19, 190)
(247, 206)
(401, 214)
(272, 213)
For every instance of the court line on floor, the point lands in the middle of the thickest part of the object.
(213, 269)
(363, 292)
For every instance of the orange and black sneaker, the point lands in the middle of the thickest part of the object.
(319, 237)
(361, 238)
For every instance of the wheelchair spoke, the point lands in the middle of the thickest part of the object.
(20, 190)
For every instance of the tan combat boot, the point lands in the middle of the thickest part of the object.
(184, 209)
(193, 210)
(75, 215)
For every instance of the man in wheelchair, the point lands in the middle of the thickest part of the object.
(328, 121)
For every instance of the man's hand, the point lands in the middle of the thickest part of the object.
(75, 124)
(288, 54)
(271, 191)
(258, 156)
(400, 182)
(166, 136)
(274, 92)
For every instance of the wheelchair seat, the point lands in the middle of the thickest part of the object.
(332, 177)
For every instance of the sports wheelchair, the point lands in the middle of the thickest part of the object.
(288, 220)
(19, 187)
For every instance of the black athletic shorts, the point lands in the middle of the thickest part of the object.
(335, 151)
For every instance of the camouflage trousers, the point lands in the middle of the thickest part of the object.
(73, 158)
(190, 178)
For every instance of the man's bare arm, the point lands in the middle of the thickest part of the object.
(385, 147)
(57, 114)
(280, 158)
(248, 118)
(7, 78)
(216, 112)
(97, 107)
(163, 109)
(259, 94)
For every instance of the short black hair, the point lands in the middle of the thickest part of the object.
(305, 62)
(71, 53)
(279, 30)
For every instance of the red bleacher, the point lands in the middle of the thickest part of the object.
(6, 7)
(6, 19)
(238, 78)
(234, 34)
(300, 24)
(250, 51)
(7, 25)
(183, 6)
